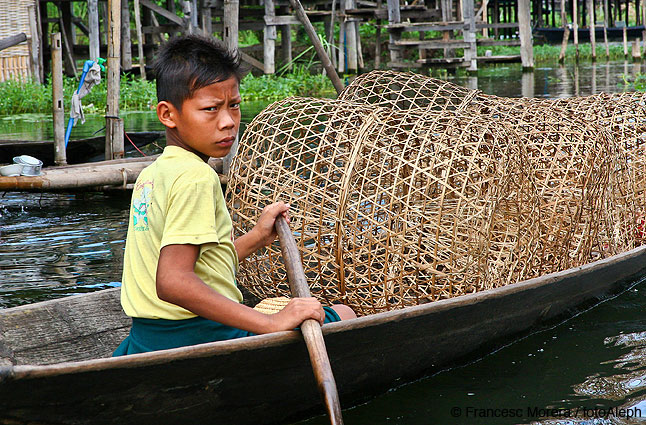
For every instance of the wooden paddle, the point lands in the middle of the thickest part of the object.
(310, 328)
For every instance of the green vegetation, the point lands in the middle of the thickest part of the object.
(29, 97)
(138, 95)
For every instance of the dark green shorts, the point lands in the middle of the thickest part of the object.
(160, 334)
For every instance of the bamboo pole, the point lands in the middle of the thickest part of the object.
(93, 18)
(58, 112)
(114, 125)
(318, 46)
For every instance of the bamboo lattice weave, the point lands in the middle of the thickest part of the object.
(395, 208)
(573, 125)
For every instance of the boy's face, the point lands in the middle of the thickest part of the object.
(208, 122)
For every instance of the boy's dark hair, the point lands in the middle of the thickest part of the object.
(188, 63)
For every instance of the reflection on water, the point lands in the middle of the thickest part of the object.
(581, 368)
(53, 245)
(552, 81)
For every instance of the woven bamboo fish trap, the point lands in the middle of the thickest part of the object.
(572, 128)
(397, 208)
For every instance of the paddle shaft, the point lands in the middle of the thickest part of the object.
(311, 329)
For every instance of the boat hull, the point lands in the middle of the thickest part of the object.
(267, 378)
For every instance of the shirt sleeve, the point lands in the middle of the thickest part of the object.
(190, 217)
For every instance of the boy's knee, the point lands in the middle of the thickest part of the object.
(344, 311)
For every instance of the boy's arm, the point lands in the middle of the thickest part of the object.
(178, 284)
(263, 233)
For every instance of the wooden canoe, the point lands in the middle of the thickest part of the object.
(78, 151)
(53, 367)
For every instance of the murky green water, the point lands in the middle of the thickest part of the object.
(53, 245)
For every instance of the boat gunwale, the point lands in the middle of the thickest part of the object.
(16, 372)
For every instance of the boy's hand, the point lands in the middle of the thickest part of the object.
(265, 228)
(296, 312)
(264, 232)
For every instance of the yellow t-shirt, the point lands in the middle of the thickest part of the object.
(176, 200)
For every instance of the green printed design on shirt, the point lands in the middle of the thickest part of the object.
(140, 207)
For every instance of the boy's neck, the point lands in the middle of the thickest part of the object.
(173, 139)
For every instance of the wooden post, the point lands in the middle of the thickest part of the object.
(286, 39)
(471, 53)
(575, 27)
(114, 125)
(207, 18)
(525, 29)
(625, 38)
(591, 24)
(605, 28)
(330, 34)
(140, 41)
(394, 17)
(65, 22)
(566, 31)
(447, 15)
(342, 39)
(643, 11)
(378, 39)
(93, 18)
(351, 39)
(36, 57)
(269, 38)
(58, 111)
(126, 46)
(230, 23)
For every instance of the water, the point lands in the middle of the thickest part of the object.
(53, 245)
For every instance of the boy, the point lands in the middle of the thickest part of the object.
(180, 258)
